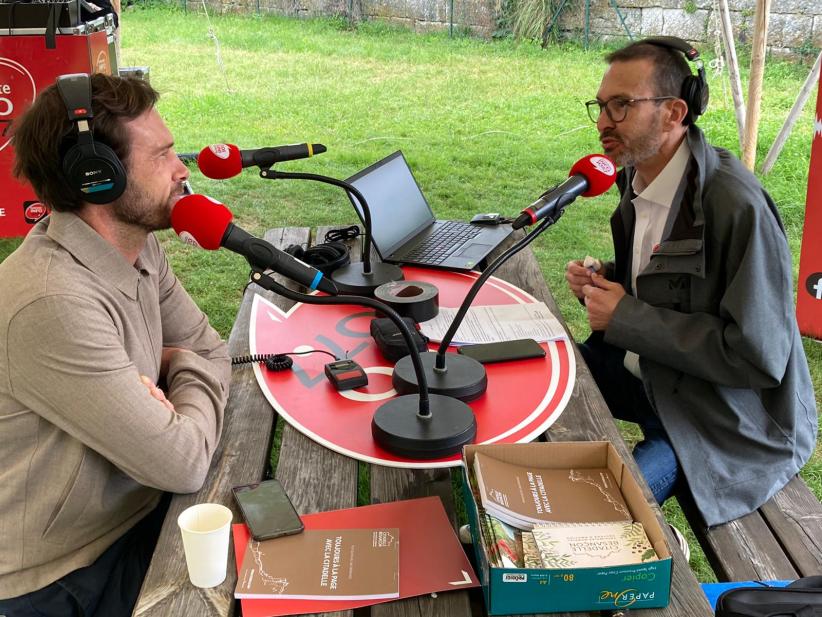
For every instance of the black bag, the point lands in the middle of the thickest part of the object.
(390, 341)
(802, 598)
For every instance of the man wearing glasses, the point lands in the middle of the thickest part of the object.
(693, 330)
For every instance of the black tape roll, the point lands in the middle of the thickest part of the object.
(415, 299)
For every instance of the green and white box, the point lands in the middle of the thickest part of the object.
(530, 590)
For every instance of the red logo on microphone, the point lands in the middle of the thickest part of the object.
(33, 211)
(220, 151)
(603, 164)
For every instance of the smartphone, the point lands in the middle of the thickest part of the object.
(503, 351)
(267, 510)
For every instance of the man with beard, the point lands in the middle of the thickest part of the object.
(112, 382)
(693, 329)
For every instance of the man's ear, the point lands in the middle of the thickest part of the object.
(677, 111)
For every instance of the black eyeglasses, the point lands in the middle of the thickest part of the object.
(616, 108)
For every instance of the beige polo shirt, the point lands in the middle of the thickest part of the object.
(86, 451)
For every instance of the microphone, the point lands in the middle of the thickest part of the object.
(590, 176)
(206, 223)
(221, 161)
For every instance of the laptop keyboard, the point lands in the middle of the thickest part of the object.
(448, 237)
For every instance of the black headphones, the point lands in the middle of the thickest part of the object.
(325, 257)
(91, 168)
(695, 88)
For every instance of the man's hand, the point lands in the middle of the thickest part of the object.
(165, 360)
(156, 392)
(601, 299)
(577, 276)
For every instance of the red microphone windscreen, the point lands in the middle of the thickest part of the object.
(220, 161)
(200, 221)
(599, 170)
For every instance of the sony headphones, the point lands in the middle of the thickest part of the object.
(325, 257)
(91, 168)
(695, 88)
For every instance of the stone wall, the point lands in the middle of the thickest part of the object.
(795, 25)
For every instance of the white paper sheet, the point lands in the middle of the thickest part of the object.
(504, 322)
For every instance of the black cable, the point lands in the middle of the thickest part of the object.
(343, 234)
(267, 282)
(276, 361)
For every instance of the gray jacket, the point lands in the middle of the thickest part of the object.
(713, 322)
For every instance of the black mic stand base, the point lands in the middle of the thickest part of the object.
(463, 378)
(398, 427)
(351, 279)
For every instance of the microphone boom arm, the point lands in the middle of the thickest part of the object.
(486, 274)
(272, 174)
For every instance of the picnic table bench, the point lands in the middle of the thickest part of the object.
(782, 540)
(319, 479)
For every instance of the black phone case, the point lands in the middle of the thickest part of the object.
(503, 351)
(250, 521)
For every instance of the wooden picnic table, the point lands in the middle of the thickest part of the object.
(319, 479)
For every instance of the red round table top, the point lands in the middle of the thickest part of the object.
(523, 399)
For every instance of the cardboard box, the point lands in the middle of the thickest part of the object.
(525, 590)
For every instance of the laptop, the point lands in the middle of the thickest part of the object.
(403, 227)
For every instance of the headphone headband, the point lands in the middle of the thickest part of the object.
(694, 90)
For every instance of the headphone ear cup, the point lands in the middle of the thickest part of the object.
(695, 94)
(94, 172)
(326, 257)
(296, 251)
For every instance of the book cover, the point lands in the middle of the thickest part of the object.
(524, 496)
(504, 540)
(590, 545)
(425, 530)
(342, 564)
(530, 551)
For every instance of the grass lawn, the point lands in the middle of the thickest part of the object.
(486, 126)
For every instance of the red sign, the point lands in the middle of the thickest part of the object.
(809, 287)
(26, 67)
(523, 398)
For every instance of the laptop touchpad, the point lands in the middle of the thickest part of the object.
(474, 250)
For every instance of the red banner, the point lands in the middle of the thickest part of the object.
(26, 67)
(809, 286)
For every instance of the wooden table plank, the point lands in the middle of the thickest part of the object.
(795, 515)
(242, 456)
(392, 484)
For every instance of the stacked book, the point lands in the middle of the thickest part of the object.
(555, 518)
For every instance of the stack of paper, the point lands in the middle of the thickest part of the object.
(524, 496)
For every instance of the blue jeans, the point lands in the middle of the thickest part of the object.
(107, 588)
(627, 400)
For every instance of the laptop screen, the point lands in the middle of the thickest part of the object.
(398, 209)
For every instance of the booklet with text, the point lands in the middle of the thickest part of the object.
(327, 564)
(591, 545)
(523, 496)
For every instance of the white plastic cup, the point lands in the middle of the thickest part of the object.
(205, 528)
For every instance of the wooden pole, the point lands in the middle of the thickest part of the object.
(760, 41)
(733, 68)
(785, 132)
